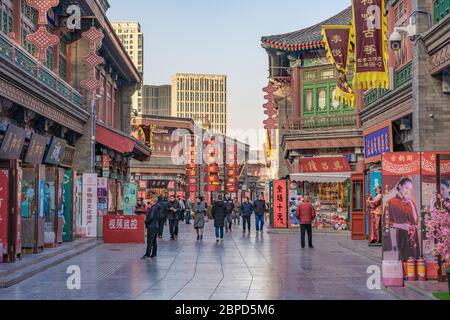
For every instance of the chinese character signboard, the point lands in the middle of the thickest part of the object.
(336, 40)
(325, 164)
(12, 143)
(36, 149)
(123, 229)
(4, 208)
(102, 196)
(377, 143)
(89, 204)
(55, 151)
(280, 204)
(370, 29)
(401, 216)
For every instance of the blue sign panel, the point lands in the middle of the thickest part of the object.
(378, 142)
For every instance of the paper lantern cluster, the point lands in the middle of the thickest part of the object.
(42, 39)
(212, 178)
(191, 171)
(231, 169)
(94, 38)
(271, 123)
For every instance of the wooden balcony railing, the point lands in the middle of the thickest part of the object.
(19, 57)
(320, 122)
(441, 9)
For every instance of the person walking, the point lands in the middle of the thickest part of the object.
(229, 205)
(182, 209)
(219, 213)
(236, 212)
(199, 217)
(163, 215)
(173, 207)
(151, 223)
(188, 204)
(246, 213)
(260, 212)
(306, 213)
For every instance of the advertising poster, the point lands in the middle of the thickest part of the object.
(373, 180)
(432, 201)
(89, 208)
(67, 201)
(112, 196)
(119, 190)
(401, 212)
(4, 207)
(280, 204)
(130, 198)
(102, 195)
(78, 206)
(295, 199)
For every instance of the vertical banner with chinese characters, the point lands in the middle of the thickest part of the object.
(401, 213)
(102, 196)
(4, 207)
(89, 204)
(336, 40)
(271, 202)
(280, 204)
(370, 38)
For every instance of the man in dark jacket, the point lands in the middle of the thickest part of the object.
(260, 211)
(162, 217)
(151, 223)
(219, 214)
(173, 208)
(306, 213)
(246, 213)
(229, 205)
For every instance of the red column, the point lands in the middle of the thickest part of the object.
(296, 94)
(17, 21)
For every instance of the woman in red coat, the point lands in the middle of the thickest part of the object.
(401, 215)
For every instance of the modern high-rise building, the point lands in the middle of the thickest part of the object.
(201, 97)
(156, 100)
(132, 38)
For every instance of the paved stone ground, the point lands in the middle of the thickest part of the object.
(254, 267)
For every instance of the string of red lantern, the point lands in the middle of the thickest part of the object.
(42, 39)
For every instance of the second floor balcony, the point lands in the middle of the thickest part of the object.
(329, 122)
(18, 57)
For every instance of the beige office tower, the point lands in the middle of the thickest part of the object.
(132, 38)
(201, 97)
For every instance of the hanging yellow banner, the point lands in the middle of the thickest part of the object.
(370, 39)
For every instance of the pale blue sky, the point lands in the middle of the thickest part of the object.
(219, 36)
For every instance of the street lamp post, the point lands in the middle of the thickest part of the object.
(94, 131)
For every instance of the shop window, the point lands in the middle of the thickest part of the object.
(327, 74)
(322, 99)
(308, 101)
(357, 196)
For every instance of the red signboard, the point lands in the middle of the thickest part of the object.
(4, 206)
(401, 163)
(123, 229)
(429, 163)
(325, 164)
(280, 204)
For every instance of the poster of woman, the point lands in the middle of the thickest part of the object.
(401, 215)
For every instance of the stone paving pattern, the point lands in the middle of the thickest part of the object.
(243, 267)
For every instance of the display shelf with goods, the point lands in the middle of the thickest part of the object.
(331, 202)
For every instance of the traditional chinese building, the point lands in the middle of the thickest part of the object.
(46, 126)
(319, 140)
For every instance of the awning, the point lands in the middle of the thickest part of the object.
(321, 177)
(121, 143)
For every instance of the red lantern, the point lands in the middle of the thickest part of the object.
(232, 173)
(191, 181)
(232, 166)
(191, 173)
(212, 188)
(191, 189)
(232, 189)
(190, 166)
(212, 179)
(232, 181)
(212, 169)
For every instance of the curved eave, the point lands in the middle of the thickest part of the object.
(298, 47)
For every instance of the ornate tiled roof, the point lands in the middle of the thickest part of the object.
(308, 38)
